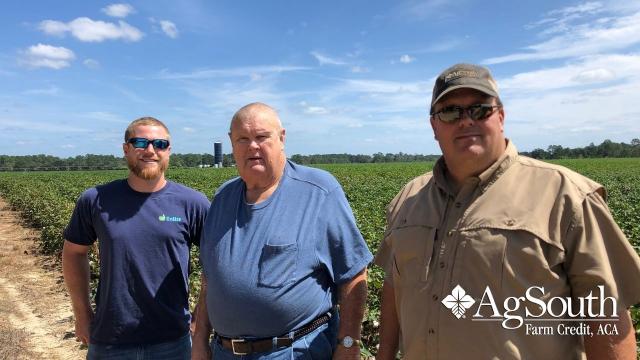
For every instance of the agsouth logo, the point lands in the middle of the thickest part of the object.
(458, 301)
(163, 217)
(559, 309)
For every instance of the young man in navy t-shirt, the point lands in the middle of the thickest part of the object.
(145, 226)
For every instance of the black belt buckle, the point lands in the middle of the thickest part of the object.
(239, 341)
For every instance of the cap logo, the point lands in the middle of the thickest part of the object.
(460, 73)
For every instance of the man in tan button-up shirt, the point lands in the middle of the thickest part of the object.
(493, 255)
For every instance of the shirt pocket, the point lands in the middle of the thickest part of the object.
(412, 252)
(508, 260)
(277, 265)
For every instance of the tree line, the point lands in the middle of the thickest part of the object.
(608, 148)
(98, 162)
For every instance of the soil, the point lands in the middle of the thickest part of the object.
(36, 321)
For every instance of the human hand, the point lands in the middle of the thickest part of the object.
(83, 328)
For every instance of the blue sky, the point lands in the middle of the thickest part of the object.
(345, 76)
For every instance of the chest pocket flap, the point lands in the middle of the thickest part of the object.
(412, 246)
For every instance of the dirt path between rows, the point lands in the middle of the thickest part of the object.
(36, 321)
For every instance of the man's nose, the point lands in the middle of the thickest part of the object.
(465, 120)
(253, 144)
(149, 148)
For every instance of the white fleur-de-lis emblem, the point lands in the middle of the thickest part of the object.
(458, 301)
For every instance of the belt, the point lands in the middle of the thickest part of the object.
(242, 346)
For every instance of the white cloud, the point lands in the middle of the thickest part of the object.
(383, 86)
(326, 60)
(574, 114)
(118, 10)
(588, 7)
(130, 95)
(51, 90)
(594, 76)
(87, 30)
(590, 70)
(360, 70)
(315, 110)
(49, 126)
(68, 146)
(188, 129)
(91, 63)
(47, 56)
(405, 59)
(104, 116)
(421, 9)
(53, 27)
(169, 28)
(255, 72)
(587, 38)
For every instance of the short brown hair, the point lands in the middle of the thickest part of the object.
(146, 120)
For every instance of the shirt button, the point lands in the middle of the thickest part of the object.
(450, 233)
(458, 204)
(435, 297)
(431, 331)
(442, 265)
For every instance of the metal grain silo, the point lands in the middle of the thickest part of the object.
(217, 154)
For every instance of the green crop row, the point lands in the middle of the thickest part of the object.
(46, 200)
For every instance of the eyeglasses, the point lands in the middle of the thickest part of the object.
(142, 143)
(453, 113)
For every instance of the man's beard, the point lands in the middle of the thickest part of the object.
(147, 173)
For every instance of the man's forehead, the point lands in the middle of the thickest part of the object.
(149, 128)
(256, 122)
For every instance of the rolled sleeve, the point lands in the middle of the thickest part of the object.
(599, 254)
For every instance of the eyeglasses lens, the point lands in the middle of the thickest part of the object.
(142, 143)
(476, 112)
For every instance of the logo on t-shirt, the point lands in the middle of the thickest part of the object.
(163, 217)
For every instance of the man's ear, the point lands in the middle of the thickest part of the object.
(432, 120)
(282, 136)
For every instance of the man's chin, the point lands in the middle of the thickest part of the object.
(148, 172)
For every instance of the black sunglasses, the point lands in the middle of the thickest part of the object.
(142, 143)
(453, 113)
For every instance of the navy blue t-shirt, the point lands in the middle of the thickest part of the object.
(274, 266)
(144, 241)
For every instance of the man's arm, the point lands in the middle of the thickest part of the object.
(389, 326)
(200, 349)
(621, 346)
(353, 296)
(75, 269)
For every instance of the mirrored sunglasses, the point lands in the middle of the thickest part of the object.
(453, 113)
(142, 143)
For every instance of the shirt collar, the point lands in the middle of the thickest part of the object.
(484, 179)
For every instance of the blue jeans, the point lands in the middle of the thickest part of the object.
(173, 350)
(317, 345)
